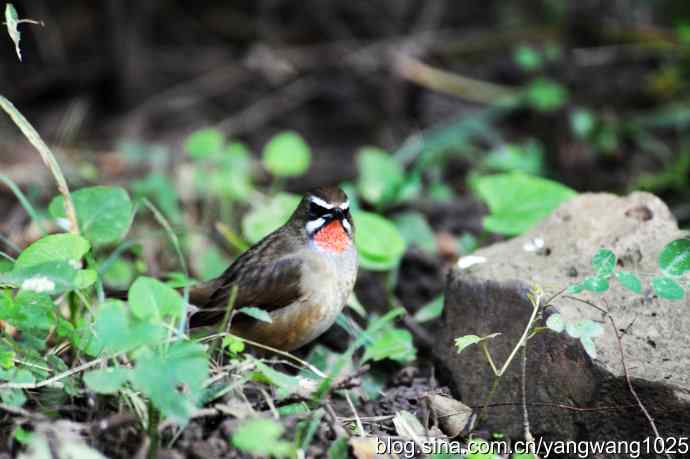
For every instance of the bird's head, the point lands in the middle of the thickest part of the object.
(325, 214)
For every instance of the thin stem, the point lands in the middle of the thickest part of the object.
(487, 354)
(489, 396)
(632, 390)
(154, 437)
(528, 433)
(304, 363)
(225, 324)
(523, 338)
(24, 202)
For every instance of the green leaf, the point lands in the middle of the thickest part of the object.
(212, 263)
(286, 383)
(85, 278)
(595, 284)
(103, 212)
(546, 95)
(261, 437)
(22, 436)
(674, 259)
(256, 313)
(16, 397)
(430, 311)
(667, 288)
(604, 262)
(379, 243)
(629, 281)
(173, 380)
(12, 22)
(584, 328)
(518, 201)
(463, 341)
(528, 58)
(52, 248)
(522, 456)
(52, 278)
(7, 359)
(338, 449)
(264, 219)
(161, 190)
(380, 176)
(106, 380)
(228, 174)
(582, 123)
(119, 274)
(527, 158)
(576, 287)
(114, 331)
(233, 344)
(150, 298)
(394, 344)
(204, 143)
(415, 230)
(33, 311)
(555, 322)
(287, 155)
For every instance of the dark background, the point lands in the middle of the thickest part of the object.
(102, 72)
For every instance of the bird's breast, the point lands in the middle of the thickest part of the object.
(326, 281)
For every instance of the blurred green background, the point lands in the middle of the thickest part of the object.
(409, 104)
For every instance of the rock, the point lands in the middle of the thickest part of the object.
(491, 297)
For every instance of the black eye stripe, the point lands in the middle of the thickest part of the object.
(316, 211)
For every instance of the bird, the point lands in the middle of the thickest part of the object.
(301, 274)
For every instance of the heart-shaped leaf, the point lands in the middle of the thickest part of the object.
(380, 176)
(52, 248)
(103, 212)
(604, 262)
(106, 380)
(629, 281)
(518, 201)
(150, 298)
(674, 259)
(667, 288)
(379, 243)
(287, 155)
(596, 284)
(204, 143)
(173, 379)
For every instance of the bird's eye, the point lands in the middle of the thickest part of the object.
(316, 211)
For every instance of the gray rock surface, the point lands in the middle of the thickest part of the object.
(492, 297)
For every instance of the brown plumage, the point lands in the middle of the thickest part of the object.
(300, 277)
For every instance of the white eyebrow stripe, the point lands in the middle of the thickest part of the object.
(320, 202)
(346, 225)
(345, 205)
(313, 225)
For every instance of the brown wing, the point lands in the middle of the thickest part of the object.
(267, 286)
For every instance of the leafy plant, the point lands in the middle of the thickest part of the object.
(379, 244)
(518, 201)
(380, 177)
(287, 155)
(262, 437)
(104, 213)
(12, 22)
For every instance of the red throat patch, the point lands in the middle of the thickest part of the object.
(332, 237)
